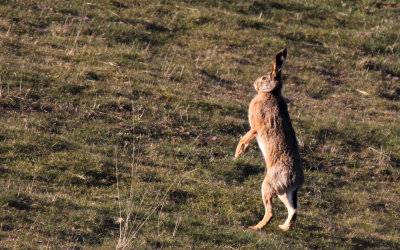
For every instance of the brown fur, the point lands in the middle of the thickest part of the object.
(270, 124)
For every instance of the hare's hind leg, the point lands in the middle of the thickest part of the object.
(290, 200)
(267, 195)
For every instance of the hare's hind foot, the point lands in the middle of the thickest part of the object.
(285, 227)
(255, 228)
(289, 223)
(262, 223)
(290, 200)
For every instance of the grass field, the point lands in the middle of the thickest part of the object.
(119, 121)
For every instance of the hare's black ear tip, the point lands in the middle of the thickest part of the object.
(282, 52)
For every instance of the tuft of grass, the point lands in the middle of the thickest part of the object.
(159, 92)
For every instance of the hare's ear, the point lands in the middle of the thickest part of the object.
(280, 60)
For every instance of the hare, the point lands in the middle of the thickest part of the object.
(271, 126)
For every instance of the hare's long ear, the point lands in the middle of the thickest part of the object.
(280, 60)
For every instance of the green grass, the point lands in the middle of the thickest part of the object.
(110, 109)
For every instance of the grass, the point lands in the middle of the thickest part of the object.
(119, 122)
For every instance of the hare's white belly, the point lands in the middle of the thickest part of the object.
(262, 146)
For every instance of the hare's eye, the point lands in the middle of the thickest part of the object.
(264, 78)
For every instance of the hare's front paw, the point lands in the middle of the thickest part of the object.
(237, 154)
(241, 149)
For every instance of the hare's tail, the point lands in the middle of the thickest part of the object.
(294, 199)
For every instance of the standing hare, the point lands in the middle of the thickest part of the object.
(271, 126)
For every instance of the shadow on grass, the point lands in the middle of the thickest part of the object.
(359, 243)
(220, 81)
(180, 196)
(241, 171)
(340, 238)
(144, 32)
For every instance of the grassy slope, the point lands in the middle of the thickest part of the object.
(157, 93)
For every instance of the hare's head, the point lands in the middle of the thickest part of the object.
(272, 81)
